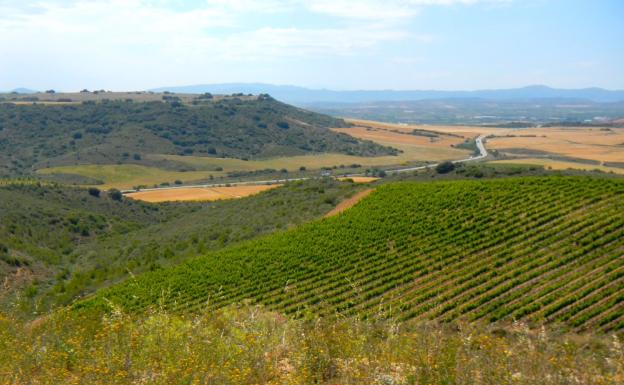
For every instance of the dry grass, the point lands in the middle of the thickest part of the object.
(414, 147)
(124, 176)
(559, 165)
(465, 131)
(592, 143)
(586, 143)
(200, 193)
(250, 346)
(348, 203)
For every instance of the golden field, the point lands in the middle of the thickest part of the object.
(200, 193)
(558, 165)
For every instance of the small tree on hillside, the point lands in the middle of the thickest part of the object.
(115, 194)
(445, 167)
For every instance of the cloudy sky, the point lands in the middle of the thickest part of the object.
(336, 44)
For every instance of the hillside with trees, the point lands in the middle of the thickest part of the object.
(34, 136)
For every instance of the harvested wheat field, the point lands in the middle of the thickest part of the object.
(200, 193)
(598, 144)
(359, 179)
(348, 203)
(433, 146)
(465, 131)
(559, 165)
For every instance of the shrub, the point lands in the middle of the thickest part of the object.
(115, 194)
(93, 191)
(445, 167)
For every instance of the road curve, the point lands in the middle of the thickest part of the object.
(478, 141)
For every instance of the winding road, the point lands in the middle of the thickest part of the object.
(478, 141)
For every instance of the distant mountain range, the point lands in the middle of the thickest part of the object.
(20, 91)
(305, 96)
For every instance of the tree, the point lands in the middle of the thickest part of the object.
(94, 191)
(115, 194)
(445, 167)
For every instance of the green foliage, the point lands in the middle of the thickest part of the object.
(94, 191)
(40, 136)
(445, 167)
(115, 194)
(75, 243)
(541, 249)
(469, 144)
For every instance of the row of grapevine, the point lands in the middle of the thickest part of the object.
(547, 249)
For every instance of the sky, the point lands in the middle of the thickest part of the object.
(335, 44)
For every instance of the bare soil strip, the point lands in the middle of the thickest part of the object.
(348, 203)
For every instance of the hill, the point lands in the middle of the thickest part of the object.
(305, 96)
(58, 243)
(34, 136)
(537, 249)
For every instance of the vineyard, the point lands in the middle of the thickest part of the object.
(538, 249)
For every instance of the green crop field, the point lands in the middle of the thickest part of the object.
(537, 249)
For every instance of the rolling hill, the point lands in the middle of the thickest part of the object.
(35, 135)
(58, 243)
(545, 249)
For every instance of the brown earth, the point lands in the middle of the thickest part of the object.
(348, 203)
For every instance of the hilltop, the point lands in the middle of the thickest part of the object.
(542, 249)
(36, 134)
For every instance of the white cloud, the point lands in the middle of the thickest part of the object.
(140, 39)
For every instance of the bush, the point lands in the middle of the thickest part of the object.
(445, 167)
(93, 191)
(115, 194)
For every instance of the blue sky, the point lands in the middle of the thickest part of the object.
(336, 44)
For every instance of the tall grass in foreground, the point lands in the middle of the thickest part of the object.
(250, 346)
